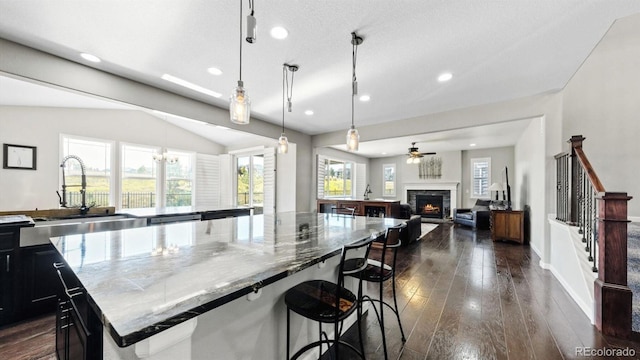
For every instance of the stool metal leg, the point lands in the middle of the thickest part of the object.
(288, 331)
(395, 302)
(384, 340)
(360, 318)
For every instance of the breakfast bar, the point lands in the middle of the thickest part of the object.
(144, 283)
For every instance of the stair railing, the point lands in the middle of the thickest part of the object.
(601, 218)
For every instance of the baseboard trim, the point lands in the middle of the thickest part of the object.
(586, 309)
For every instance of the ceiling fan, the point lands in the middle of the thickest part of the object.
(415, 155)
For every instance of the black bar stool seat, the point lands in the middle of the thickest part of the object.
(328, 302)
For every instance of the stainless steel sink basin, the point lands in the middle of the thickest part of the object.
(46, 228)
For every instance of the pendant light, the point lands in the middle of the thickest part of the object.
(239, 102)
(353, 138)
(283, 142)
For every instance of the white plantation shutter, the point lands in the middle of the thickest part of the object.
(480, 177)
(361, 180)
(321, 168)
(207, 181)
(227, 173)
(269, 180)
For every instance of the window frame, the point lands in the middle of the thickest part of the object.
(487, 193)
(192, 177)
(384, 180)
(113, 170)
(159, 188)
(344, 180)
(250, 154)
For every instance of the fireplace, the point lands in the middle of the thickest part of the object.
(448, 191)
(430, 206)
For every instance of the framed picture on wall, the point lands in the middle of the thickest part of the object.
(18, 157)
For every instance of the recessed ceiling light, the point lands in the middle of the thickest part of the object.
(278, 32)
(365, 98)
(214, 71)
(445, 77)
(189, 85)
(384, 153)
(472, 145)
(90, 57)
(222, 127)
(308, 112)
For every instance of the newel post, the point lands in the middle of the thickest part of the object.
(576, 142)
(612, 295)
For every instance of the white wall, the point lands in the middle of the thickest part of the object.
(41, 127)
(529, 180)
(500, 157)
(601, 103)
(408, 173)
(22, 61)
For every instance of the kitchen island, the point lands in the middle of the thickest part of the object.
(144, 283)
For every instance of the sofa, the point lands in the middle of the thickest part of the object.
(411, 232)
(477, 217)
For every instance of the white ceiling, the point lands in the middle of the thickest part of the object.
(497, 50)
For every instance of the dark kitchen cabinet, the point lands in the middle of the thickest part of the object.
(41, 287)
(9, 240)
(78, 327)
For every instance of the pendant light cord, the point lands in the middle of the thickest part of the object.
(240, 40)
(353, 80)
(284, 72)
(285, 85)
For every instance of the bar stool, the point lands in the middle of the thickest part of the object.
(379, 271)
(327, 302)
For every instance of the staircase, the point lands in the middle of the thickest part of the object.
(633, 271)
(601, 220)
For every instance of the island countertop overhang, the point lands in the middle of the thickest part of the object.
(143, 281)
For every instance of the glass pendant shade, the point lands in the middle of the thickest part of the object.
(239, 105)
(353, 139)
(283, 144)
(416, 160)
(409, 160)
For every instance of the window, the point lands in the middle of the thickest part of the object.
(140, 183)
(389, 180)
(179, 179)
(96, 156)
(250, 180)
(480, 177)
(338, 178)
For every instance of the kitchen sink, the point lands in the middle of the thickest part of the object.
(46, 227)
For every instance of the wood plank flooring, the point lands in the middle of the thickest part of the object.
(464, 297)
(461, 297)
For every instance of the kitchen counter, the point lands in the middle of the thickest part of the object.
(185, 213)
(143, 281)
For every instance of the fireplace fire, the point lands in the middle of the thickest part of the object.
(429, 206)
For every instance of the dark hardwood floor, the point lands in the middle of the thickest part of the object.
(461, 296)
(464, 297)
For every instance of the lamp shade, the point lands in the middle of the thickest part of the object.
(283, 144)
(496, 187)
(239, 105)
(353, 139)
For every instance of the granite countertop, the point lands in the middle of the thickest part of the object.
(145, 280)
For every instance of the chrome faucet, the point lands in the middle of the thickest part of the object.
(83, 185)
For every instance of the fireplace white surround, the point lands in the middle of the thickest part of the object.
(451, 186)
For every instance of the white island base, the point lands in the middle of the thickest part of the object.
(250, 327)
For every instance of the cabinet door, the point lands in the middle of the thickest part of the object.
(499, 225)
(41, 287)
(7, 260)
(513, 227)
